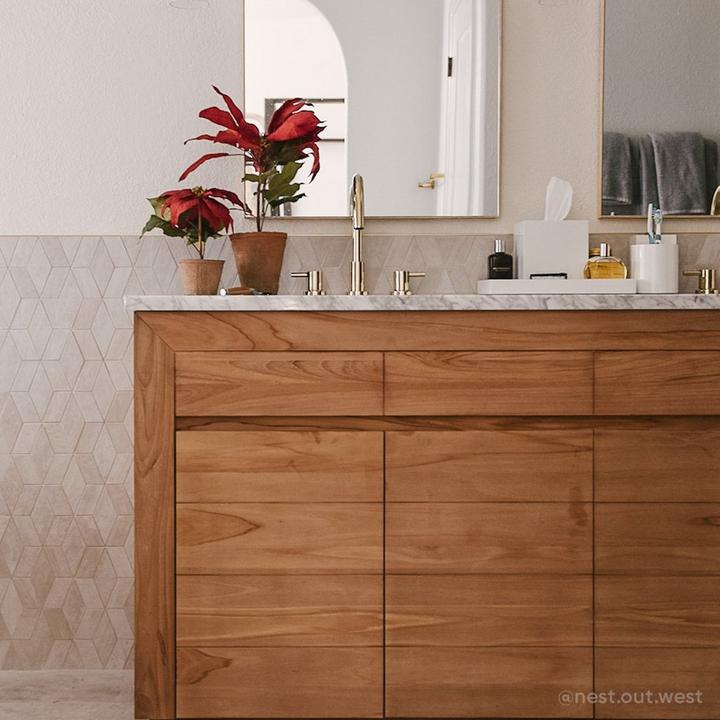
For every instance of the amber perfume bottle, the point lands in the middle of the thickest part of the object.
(500, 263)
(603, 266)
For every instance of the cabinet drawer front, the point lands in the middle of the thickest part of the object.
(489, 538)
(233, 538)
(657, 538)
(486, 682)
(284, 383)
(486, 610)
(657, 465)
(290, 611)
(277, 466)
(657, 383)
(686, 671)
(486, 466)
(488, 383)
(279, 682)
(657, 611)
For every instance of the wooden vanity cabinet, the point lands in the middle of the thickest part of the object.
(427, 514)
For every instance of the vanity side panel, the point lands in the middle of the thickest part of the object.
(154, 525)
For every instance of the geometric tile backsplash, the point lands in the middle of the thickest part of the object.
(66, 489)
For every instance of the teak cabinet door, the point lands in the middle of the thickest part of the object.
(279, 585)
(488, 558)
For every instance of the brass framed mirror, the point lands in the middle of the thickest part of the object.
(660, 124)
(409, 91)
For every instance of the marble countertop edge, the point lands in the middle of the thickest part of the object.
(369, 303)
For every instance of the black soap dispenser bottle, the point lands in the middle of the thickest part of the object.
(500, 263)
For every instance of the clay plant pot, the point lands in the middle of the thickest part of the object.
(200, 277)
(259, 259)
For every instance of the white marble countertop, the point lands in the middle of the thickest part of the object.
(335, 303)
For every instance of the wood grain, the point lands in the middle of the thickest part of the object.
(405, 423)
(470, 538)
(257, 466)
(154, 526)
(332, 383)
(657, 465)
(487, 682)
(657, 611)
(463, 330)
(489, 466)
(486, 610)
(488, 383)
(280, 682)
(288, 611)
(669, 671)
(657, 383)
(234, 538)
(657, 538)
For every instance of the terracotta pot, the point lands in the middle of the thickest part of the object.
(259, 258)
(200, 277)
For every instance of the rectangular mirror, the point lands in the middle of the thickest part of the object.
(409, 91)
(661, 107)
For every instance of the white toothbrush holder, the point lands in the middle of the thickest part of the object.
(655, 266)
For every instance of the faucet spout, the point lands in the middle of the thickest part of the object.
(357, 214)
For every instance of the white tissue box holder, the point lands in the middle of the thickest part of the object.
(549, 246)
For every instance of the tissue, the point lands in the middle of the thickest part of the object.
(558, 199)
(554, 245)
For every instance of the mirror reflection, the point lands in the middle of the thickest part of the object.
(661, 112)
(408, 89)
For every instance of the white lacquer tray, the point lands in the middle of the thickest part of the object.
(556, 287)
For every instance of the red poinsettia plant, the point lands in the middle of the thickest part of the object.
(276, 156)
(194, 214)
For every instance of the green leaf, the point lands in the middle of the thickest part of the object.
(168, 229)
(283, 200)
(157, 204)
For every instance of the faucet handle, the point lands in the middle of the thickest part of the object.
(401, 281)
(314, 281)
(706, 280)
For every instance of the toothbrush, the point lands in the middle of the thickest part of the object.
(657, 220)
(650, 221)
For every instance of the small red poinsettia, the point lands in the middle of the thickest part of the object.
(195, 214)
(276, 156)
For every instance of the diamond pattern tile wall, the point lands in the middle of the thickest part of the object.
(66, 579)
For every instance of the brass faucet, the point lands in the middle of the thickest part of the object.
(357, 213)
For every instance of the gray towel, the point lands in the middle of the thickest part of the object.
(711, 171)
(617, 170)
(647, 191)
(680, 166)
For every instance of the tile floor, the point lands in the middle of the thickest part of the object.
(66, 695)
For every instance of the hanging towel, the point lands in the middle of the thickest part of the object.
(617, 185)
(680, 166)
(647, 191)
(711, 171)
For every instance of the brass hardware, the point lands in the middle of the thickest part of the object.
(706, 280)
(357, 214)
(431, 182)
(715, 204)
(401, 281)
(314, 281)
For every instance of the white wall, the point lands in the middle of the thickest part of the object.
(661, 66)
(292, 66)
(393, 52)
(96, 99)
(550, 114)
